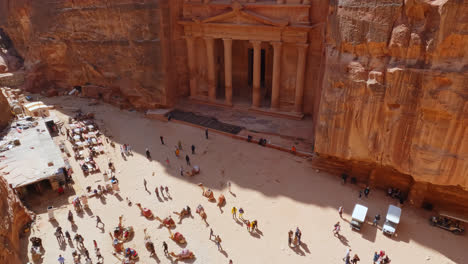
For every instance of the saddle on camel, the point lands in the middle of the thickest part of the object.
(184, 212)
(177, 237)
(221, 200)
(208, 193)
(131, 253)
(167, 222)
(184, 254)
(149, 244)
(145, 211)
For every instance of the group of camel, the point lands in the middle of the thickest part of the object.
(169, 223)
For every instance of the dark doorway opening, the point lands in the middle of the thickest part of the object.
(39, 187)
(262, 68)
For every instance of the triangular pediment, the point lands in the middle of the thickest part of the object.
(240, 16)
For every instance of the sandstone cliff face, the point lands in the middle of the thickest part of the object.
(5, 112)
(13, 217)
(395, 89)
(113, 45)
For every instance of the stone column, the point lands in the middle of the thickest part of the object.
(301, 63)
(275, 89)
(256, 73)
(209, 43)
(280, 1)
(191, 64)
(228, 70)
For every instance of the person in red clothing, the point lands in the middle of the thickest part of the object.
(60, 190)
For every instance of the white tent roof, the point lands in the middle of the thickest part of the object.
(29, 162)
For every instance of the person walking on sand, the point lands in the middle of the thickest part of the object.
(247, 223)
(241, 213)
(298, 235)
(229, 186)
(234, 212)
(156, 190)
(218, 242)
(162, 140)
(347, 255)
(360, 194)
(162, 189)
(167, 190)
(98, 221)
(167, 162)
(187, 159)
(61, 260)
(193, 149)
(340, 211)
(206, 133)
(211, 233)
(366, 191)
(179, 144)
(376, 220)
(336, 229)
(177, 152)
(148, 154)
(165, 248)
(376, 257)
(355, 259)
(181, 171)
(129, 149)
(95, 244)
(144, 183)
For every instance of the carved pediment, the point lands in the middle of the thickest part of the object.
(240, 16)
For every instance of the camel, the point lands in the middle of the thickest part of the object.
(122, 233)
(184, 254)
(208, 193)
(221, 200)
(149, 244)
(184, 212)
(145, 211)
(167, 222)
(177, 237)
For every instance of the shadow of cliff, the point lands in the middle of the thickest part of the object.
(295, 179)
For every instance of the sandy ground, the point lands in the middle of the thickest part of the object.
(279, 190)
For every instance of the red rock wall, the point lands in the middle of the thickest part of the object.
(114, 44)
(13, 217)
(395, 87)
(5, 112)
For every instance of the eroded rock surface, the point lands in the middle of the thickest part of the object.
(111, 44)
(395, 90)
(13, 218)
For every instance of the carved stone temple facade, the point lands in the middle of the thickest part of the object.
(262, 55)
